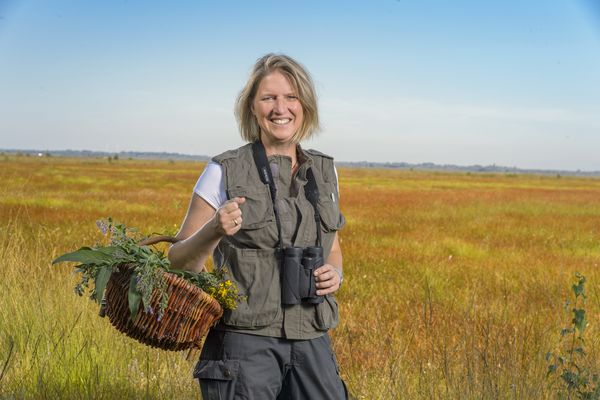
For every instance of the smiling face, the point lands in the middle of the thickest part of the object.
(277, 109)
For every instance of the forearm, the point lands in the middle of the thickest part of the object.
(192, 252)
(329, 277)
(335, 258)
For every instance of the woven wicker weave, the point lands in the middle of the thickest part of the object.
(188, 317)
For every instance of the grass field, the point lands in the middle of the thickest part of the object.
(455, 285)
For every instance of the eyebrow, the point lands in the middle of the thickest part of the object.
(273, 94)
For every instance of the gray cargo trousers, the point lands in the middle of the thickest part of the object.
(242, 366)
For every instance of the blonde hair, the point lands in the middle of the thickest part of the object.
(300, 80)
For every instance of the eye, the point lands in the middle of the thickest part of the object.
(267, 98)
(292, 97)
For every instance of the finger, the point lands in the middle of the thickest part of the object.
(322, 269)
(230, 205)
(239, 200)
(324, 276)
(228, 213)
(324, 285)
(229, 224)
(329, 290)
(236, 213)
(232, 228)
(326, 282)
(237, 222)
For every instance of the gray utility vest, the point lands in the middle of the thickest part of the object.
(250, 256)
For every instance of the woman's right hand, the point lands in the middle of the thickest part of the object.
(228, 218)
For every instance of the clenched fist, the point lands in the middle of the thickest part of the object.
(228, 218)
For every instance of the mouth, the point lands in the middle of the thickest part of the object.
(281, 121)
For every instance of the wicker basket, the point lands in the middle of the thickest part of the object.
(188, 317)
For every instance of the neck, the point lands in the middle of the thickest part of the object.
(283, 149)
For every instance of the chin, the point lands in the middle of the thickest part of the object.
(280, 137)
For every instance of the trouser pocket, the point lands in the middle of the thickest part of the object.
(217, 378)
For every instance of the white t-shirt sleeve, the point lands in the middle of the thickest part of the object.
(211, 185)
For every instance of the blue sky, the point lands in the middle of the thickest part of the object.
(466, 82)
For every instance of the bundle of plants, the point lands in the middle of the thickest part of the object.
(143, 296)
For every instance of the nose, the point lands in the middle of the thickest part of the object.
(280, 106)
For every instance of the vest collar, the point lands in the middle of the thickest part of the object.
(305, 161)
(284, 163)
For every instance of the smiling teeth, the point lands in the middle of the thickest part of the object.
(281, 121)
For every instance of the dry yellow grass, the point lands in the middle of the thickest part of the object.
(455, 282)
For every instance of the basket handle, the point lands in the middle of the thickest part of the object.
(163, 238)
(157, 239)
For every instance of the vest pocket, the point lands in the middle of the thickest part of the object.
(329, 209)
(257, 211)
(327, 314)
(256, 273)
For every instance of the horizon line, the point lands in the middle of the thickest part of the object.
(427, 165)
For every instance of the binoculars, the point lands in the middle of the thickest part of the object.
(297, 279)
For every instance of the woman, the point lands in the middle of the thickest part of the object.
(258, 224)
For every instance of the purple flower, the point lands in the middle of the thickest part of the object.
(102, 226)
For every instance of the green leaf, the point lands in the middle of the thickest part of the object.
(134, 296)
(551, 369)
(85, 255)
(108, 250)
(579, 287)
(101, 281)
(570, 378)
(579, 319)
